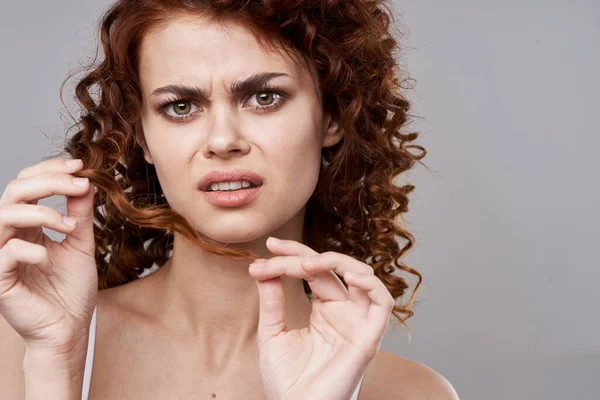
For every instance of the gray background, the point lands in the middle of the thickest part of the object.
(508, 93)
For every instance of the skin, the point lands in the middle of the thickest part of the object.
(192, 325)
(283, 146)
(210, 301)
(188, 330)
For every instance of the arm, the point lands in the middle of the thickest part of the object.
(48, 375)
(12, 351)
(34, 373)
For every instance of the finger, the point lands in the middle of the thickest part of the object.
(382, 301)
(271, 320)
(327, 282)
(34, 188)
(17, 251)
(293, 248)
(289, 247)
(52, 165)
(323, 283)
(338, 262)
(341, 264)
(15, 216)
(81, 209)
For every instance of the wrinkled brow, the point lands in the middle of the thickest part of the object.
(237, 87)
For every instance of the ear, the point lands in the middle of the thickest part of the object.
(141, 140)
(333, 132)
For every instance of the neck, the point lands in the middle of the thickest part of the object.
(214, 300)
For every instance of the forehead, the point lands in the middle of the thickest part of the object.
(185, 47)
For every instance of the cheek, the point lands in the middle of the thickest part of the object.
(294, 157)
(294, 147)
(171, 177)
(170, 145)
(171, 171)
(296, 135)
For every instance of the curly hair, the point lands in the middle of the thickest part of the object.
(355, 206)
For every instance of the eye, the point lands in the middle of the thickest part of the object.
(179, 109)
(182, 108)
(266, 100)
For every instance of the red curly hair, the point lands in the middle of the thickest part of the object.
(355, 206)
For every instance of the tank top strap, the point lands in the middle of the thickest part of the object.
(89, 360)
(355, 395)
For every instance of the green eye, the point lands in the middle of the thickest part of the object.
(182, 108)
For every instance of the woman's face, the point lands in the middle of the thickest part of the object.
(277, 134)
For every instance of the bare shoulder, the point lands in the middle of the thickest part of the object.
(390, 376)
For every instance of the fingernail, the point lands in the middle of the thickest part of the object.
(73, 163)
(81, 182)
(259, 261)
(275, 240)
(69, 221)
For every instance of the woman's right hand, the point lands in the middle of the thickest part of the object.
(50, 308)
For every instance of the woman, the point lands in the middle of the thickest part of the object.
(210, 129)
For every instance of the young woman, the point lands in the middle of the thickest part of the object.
(210, 129)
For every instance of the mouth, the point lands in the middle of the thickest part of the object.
(232, 197)
(230, 180)
(230, 187)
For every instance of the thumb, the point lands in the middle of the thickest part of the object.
(271, 320)
(82, 209)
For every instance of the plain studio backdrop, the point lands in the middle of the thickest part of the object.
(507, 220)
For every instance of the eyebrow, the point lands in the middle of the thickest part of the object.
(252, 82)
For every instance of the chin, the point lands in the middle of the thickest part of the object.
(235, 232)
(253, 231)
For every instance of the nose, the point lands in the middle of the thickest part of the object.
(224, 139)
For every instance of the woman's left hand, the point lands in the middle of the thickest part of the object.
(327, 359)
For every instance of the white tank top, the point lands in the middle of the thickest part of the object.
(89, 360)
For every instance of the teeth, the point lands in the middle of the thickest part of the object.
(230, 185)
(235, 185)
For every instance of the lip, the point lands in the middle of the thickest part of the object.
(229, 175)
(234, 198)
